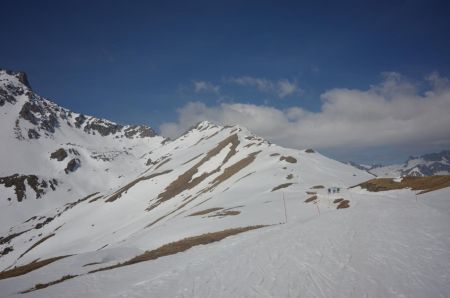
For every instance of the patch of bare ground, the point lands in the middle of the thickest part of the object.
(206, 211)
(91, 264)
(185, 202)
(225, 213)
(317, 187)
(185, 180)
(24, 269)
(71, 205)
(119, 193)
(310, 199)
(284, 185)
(181, 245)
(198, 142)
(310, 150)
(37, 243)
(274, 154)
(311, 193)
(45, 285)
(162, 163)
(95, 199)
(214, 134)
(10, 237)
(243, 177)
(234, 168)
(289, 159)
(343, 204)
(425, 184)
(289, 177)
(338, 200)
(194, 158)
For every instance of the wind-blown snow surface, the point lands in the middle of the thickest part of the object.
(144, 195)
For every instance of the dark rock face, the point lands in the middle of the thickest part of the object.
(18, 182)
(33, 134)
(289, 159)
(6, 250)
(141, 131)
(28, 110)
(79, 120)
(102, 127)
(40, 115)
(6, 97)
(73, 165)
(59, 154)
(22, 77)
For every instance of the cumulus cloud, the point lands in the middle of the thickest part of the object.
(205, 87)
(281, 88)
(393, 112)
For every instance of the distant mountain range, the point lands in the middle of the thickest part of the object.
(425, 165)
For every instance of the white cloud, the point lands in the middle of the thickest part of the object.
(205, 87)
(393, 112)
(281, 88)
(286, 88)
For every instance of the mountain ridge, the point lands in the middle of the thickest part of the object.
(86, 209)
(429, 164)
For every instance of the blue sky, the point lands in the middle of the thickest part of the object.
(148, 61)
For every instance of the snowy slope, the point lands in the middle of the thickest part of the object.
(32, 128)
(133, 194)
(363, 251)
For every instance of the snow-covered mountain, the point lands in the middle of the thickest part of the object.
(93, 208)
(424, 165)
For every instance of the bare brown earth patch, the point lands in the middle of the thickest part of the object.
(274, 154)
(309, 150)
(185, 180)
(24, 269)
(338, 201)
(343, 204)
(95, 199)
(234, 168)
(181, 245)
(214, 134)
(162, 163)
(311, 193)
(59, 154)
(71, 205)
(119, 193)
(91, 264)
(243, 177)
(425, 184)
(194, 158)
(284, 185)
(45, 285)
(206, 211)
(37, 243)
(225, 213)
(310, 199)
(289, 159)
(290, 176)
(318, 187)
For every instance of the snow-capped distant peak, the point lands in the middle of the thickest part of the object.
(425, 165)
